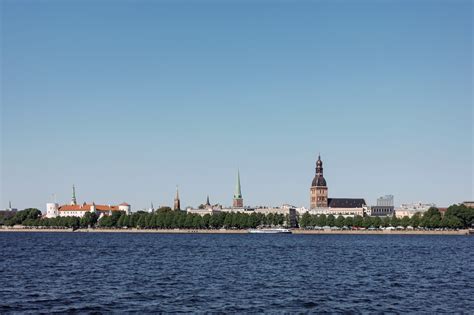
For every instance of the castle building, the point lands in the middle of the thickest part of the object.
(320, 203)
(75, 210)
(177, 202)
(238, 201)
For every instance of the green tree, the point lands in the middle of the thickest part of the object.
(228, 220)
(349, 221)
(405, 221)
(464, 214)
(434, 222)
(432, 212)
(377, 222)
(126, 221)
(415, 220)
(367, 222)
(88, 220)
(305, 220)
(321, 220)
(164, 209)
(331, 220)
(358, 221)
(340, 221)
(395, 221)
(115, 217)
(205, 221)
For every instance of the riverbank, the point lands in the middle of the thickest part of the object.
(223, 231)
(382, 232)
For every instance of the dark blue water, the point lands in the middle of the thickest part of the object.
(100, 272)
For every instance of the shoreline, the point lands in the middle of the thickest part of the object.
(221, 231)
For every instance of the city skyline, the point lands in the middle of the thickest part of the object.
(128, 101)
(237, 196)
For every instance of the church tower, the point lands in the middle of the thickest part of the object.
(319, 189)
(177, 203)
(73, 199)
(238, 201)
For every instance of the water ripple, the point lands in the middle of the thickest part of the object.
(153, 273)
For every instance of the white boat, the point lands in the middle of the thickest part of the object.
(270, 231)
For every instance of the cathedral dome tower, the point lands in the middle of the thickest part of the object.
(319, 189)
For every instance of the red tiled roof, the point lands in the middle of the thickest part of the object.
(124, 204)
(87, 207)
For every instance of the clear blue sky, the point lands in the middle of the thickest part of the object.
(126, 99)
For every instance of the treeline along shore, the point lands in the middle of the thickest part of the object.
(234, 231)
(457, 220)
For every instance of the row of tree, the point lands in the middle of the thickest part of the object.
(168, 219)
(456, 217)
(164, 218)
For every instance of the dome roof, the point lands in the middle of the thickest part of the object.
(319, 181)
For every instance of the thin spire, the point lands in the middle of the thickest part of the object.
(9, 204)
(177, 202)
(73, 200)
(238, 191)
(207, 201)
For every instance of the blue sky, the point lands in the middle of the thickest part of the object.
(127, 99)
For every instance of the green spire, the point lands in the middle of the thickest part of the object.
(73, 200)
(238, 192)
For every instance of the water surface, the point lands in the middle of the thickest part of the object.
(104, 272)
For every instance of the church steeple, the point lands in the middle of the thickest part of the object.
(238, 191)
(319, 189)
(73, 199)
(319, 166)
(207, 201)
(177, 202)
(238, 201)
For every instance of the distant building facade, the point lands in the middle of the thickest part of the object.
(347, 207)
(384, 207)
(409, 209)
(469, 204)
(75, 210)
(207, 208)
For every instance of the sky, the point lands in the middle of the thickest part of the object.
(127, 99)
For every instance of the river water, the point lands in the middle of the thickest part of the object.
(108, 272)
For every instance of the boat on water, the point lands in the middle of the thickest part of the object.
(270, 231)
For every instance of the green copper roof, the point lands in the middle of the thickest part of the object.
(238, 192)
(73, 195)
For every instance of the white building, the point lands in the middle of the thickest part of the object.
(55, 210)
(74, 210)
(347, 207)
(409, 209)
